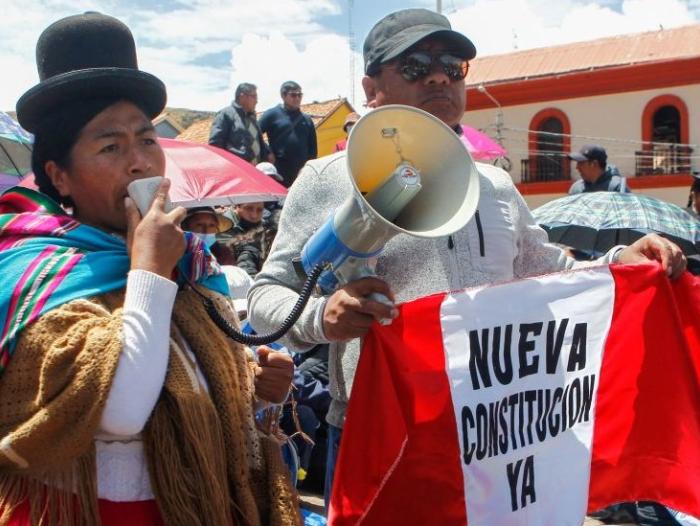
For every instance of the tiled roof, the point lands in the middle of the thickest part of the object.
(319, 111)
(653, 46)
(166, 117)
(197, 132)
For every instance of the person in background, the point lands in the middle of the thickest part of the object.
(596, 174)
(205, 223)
(235, 128)
(249, 236)
(290, 132)
(273, 209)
(123, 402)
(693, 206)
(350, 121)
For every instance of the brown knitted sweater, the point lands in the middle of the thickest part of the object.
(207, 462)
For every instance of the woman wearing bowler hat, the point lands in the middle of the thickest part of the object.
(121, 402)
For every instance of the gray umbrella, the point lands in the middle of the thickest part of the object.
(15, 152)
(597, 221)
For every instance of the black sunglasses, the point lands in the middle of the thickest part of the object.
(418, 64)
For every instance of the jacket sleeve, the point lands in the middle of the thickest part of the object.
(248, 258)
(536, 255)
(276, 288)
(313, 143)
(264, 122)
(219, 130)
(264, 148)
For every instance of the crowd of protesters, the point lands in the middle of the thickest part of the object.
(224, 465)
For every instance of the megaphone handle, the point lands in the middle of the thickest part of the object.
(357, 268)
(381, 298)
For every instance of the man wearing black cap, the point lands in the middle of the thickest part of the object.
(596, 174)
(291, 133)
(412, 57)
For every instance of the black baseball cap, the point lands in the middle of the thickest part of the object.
(590, 152)
(398, 31)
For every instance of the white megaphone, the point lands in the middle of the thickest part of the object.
(411, 174)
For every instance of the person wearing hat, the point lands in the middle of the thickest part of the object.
(235, 128)
(350, 121)
(412, 57)
(122, 401)
(596, 174)
(290, 132)
(205, 223)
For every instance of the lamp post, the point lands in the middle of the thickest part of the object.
(499, 114)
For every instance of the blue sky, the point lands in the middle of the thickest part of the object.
(202, 49)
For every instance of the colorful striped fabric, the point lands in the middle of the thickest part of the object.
(48, 258)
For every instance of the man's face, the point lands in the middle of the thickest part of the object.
(203, 223)
(251, 212)
(589, 170)
(292, 99)
(435, 93)
(248, 101)
(117, 146)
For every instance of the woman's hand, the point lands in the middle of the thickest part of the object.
(273, 375)
(155, 241)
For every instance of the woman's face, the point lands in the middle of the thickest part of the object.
(203, 223)
(116, 147)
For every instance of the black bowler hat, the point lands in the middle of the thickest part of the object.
(83, 57)
(398, 31)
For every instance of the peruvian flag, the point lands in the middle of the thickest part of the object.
(527, 403)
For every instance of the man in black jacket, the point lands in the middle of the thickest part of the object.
(236, 129)
(291, 133)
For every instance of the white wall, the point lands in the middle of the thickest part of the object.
(617, 117)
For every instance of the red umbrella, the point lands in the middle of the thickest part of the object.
(204, 175)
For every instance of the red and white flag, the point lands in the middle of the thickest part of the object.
(528, 403)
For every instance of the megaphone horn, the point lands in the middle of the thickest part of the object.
(411, 174)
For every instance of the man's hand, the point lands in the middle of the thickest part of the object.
(349, 313)
(155, 242)
(653, 247)
(273, 375)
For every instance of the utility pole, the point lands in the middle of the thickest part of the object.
(499, 113)
(438, 6)
(351, 44)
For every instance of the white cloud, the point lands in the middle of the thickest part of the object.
(271, 41)
(500, 26)
(321, 67)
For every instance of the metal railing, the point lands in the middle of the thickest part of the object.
(544, 167)
(663, 159)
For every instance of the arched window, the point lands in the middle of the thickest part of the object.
(664, 137)
(549, 142)
(666, 125)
